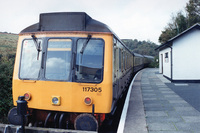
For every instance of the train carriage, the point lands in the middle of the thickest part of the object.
(71, 69)
(147, 60)
(138, 62)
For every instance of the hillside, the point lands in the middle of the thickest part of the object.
(141, 47)
(8, 43)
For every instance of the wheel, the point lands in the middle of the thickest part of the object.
(86, 122)
(13, 118)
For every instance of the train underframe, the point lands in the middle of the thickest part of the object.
(61, 120)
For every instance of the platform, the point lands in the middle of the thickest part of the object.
(156, 105)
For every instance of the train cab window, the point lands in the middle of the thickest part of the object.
(30, 59)
(58, 61)
(89, 60)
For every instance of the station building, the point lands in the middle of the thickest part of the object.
(179, 57)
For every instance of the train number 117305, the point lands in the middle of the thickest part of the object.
(92, 89)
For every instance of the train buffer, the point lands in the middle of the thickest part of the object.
(158, 105)
(5, 128)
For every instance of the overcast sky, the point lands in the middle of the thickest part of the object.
(129, 19)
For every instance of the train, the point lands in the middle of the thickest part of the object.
(72, 70)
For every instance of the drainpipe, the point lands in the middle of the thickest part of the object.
(171, 64)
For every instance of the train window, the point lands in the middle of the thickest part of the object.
(120, 59)
(124, 60)
(30, 59)
(89, 60)
(58, 59)
(115, 63)
(114, 60)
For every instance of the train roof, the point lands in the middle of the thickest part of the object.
(67, 21)
(148, 56)
(138, 55)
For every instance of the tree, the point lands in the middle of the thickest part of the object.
(169, 32)
(179, 22)
(193, 12)
(141, 47)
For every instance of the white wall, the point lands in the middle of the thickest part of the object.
(166, 62)
(186, 56)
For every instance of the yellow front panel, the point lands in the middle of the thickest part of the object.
(71, 94)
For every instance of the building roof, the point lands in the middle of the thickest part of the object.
(67, 21)
(169, 42)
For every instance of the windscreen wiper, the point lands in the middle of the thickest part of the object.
(37, 45)
(85, 44)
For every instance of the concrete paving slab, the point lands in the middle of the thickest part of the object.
(161, 127)
(133, 116)
(167, 108)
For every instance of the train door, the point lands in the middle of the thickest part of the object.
(120, 72)
(115, 72)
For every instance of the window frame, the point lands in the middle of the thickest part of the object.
(75, 59)
(21, 54)
(46, 53)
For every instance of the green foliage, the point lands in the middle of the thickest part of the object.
(141, 47)
(6, 71)
(179, 22)
(144, 48)
(8, 44)
(193, 12)
(155, 63)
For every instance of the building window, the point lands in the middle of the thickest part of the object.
(166, 55)
(166, 58)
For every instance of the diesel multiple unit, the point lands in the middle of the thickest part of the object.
(72, 71)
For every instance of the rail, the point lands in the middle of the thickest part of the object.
(6, 128)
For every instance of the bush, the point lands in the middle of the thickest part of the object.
(154, 63)
(6, 72)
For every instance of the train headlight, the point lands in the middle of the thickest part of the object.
(27, 96)
(88, 100)
(55, 100)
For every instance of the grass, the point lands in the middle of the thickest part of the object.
(8, 43)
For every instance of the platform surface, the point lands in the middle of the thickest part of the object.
(156, 105)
